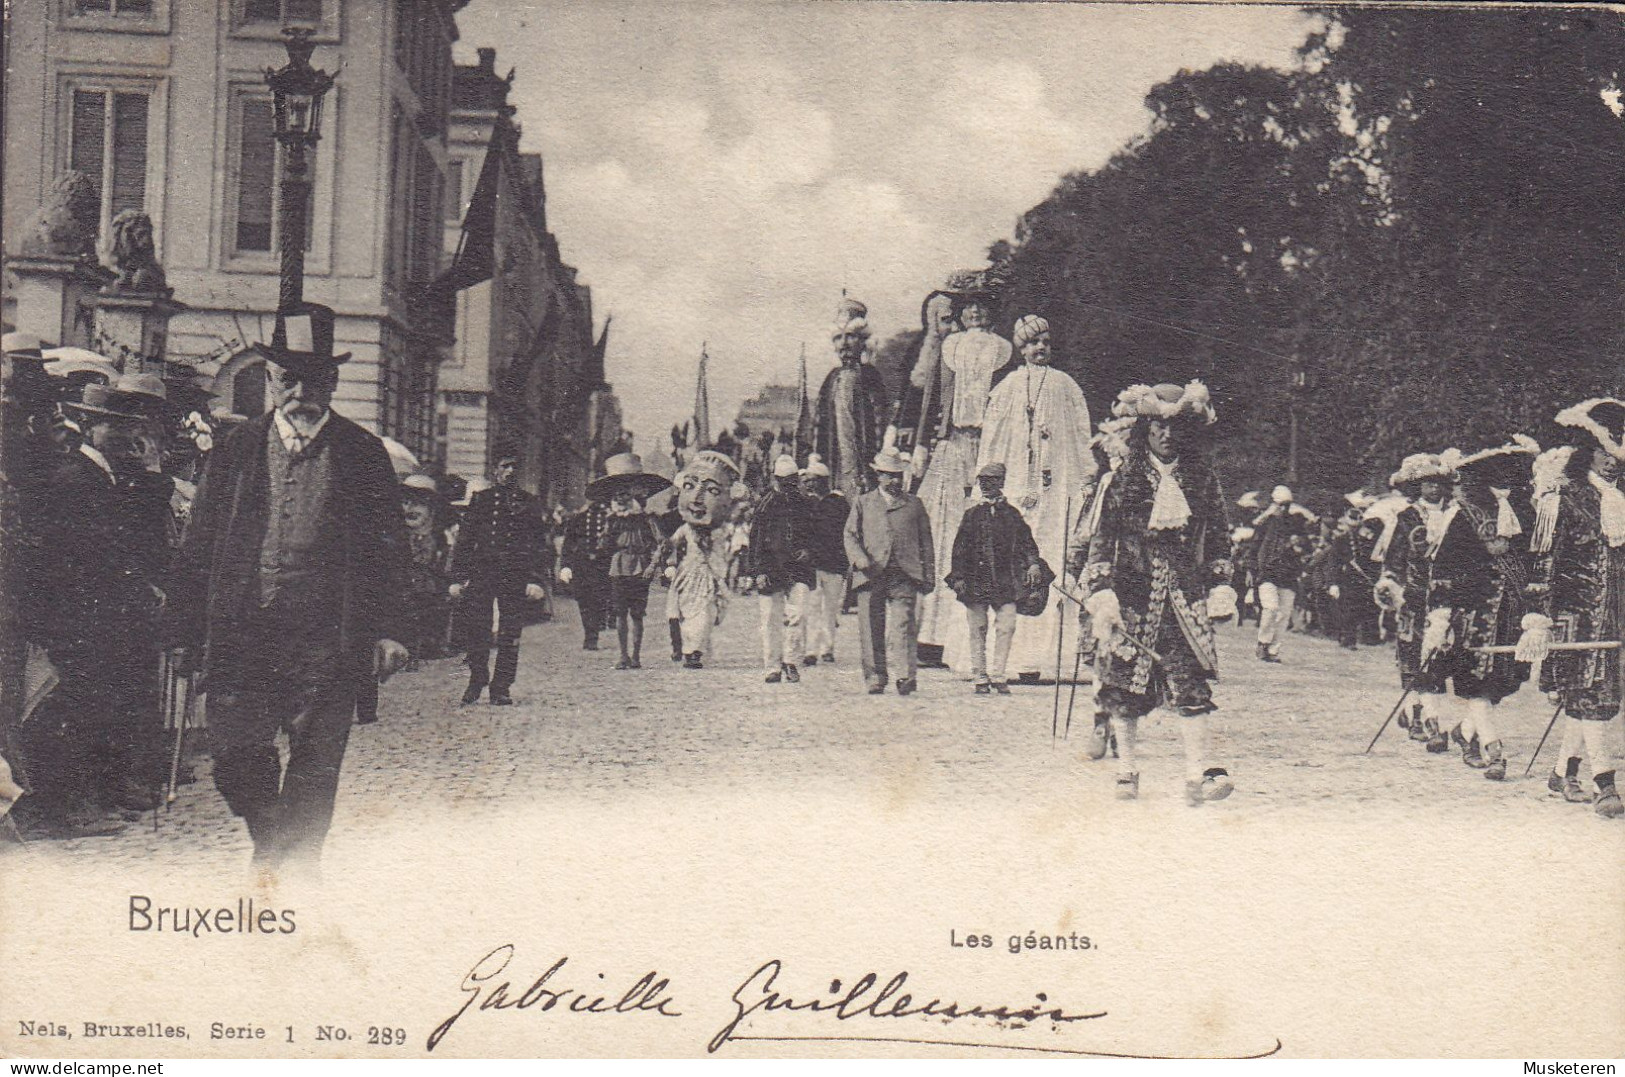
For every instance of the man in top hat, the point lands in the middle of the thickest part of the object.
(994, 561)
(780, 558)
(289, 592)
(1581, 596)
(829, 512)
(888, 542)
(853, 404)
(1158, 577)
(502, 557)
(1037, 426)
(1280, 552)
(1477, 595)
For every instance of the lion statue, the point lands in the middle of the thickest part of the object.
(133, 253)
(66, 222)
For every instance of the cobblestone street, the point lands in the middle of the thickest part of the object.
(700, 822)
(1292, 735)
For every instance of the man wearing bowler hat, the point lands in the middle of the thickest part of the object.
(888, 542)
(289, 592)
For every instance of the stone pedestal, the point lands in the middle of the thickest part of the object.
(132, 328)
(52, 291)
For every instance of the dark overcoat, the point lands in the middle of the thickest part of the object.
(215, 582)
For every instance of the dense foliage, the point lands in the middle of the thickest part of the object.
(1427, 219)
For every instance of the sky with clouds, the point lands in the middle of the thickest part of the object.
(719, 172)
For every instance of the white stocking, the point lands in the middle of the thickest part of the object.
(1195, 732)
(1126, 730)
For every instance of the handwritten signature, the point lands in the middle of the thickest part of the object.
(648, 995)
(862, 1000)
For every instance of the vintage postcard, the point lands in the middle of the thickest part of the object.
(859, 529)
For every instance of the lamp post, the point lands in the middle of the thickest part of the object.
(297, 90)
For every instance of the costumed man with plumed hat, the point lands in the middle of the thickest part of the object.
(291, 585)
(853, 405)
(1583, 599)
(829, 512)
(1110, 446)
(1037, 426)
(501, 559)
(1157, 576)
(1477, 596)
(1407, 548)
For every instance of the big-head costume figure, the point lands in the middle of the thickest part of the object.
(290, 590)
(1157, 575)
(698, 552)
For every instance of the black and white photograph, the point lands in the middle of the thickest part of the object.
(813, 529)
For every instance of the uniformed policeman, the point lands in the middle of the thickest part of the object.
(502, 556)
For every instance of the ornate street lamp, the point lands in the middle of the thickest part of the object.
(297, 90)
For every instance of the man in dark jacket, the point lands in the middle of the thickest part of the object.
(1280, 551)
(780, 559)
(995, 560)
(502, 557)
(829, 510)
(585, 569)
(289, 590)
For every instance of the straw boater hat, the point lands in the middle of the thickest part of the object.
(1603, 418)
(420, 486)
(624, 474)
(785, 466)
(303, 339)
(133, 396)
(1166, 401)
(816, 468)
(890, 461)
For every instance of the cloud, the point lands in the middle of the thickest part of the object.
(720, 173)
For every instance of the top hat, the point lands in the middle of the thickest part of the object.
(303, 339)
(624, 475)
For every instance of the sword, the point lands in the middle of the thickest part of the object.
(1119, 634)
(1384, 728)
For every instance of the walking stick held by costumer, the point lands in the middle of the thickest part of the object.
(1542, 743)
(1402, 697)
(1060, 636)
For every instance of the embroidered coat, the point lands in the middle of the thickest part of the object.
(1583, 592)
(1161, 578)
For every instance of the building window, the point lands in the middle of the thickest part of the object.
(258, 167)
(282, 11)
(107, 141)
(141, 8)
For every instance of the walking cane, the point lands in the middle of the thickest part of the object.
(1542, 743)
(183, 685)
(1060, 634)
(1402, 697)
(1072, 697)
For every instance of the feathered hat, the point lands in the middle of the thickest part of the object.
(1419, 467)
(1166, 401)
(1595, 417)
(1503, 462)
(1112, 437)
